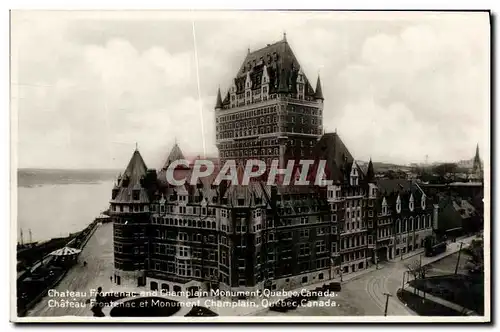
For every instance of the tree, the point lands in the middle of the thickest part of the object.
(417, 270)
(476, 253)
(447, 168)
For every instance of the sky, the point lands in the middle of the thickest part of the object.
(86, 87)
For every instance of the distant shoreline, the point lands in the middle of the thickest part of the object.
(31, 177)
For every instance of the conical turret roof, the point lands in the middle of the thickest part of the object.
(174, 154)
(218, 103)
(370, 173)
(319, 92)
(132, 180)
(136, 169)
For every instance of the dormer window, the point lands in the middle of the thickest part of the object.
(423, 202)
(398, 204)
(125, 182)
(114, 193)
(354, 176)
(136, 194)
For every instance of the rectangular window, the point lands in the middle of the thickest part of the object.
(320, 246)
(304, 249)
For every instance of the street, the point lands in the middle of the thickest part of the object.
(364, 295)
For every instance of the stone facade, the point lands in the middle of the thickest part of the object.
(248, 237)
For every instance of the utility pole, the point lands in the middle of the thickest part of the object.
(386, 302)
(458, 259)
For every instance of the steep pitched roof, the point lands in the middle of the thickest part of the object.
(370, 172)
(132, 179)
(282, 68)
(218, 103)
(338, 158)
(136, 169)
(319, 93)
(174, 154)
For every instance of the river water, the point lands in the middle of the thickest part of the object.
(53, 210)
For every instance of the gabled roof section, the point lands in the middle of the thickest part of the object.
(281, 65)
(338, 158)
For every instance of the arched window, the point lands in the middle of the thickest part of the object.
(154, 285)
(214, 225)
(398, 226)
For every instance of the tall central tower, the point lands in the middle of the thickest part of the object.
(271, 110)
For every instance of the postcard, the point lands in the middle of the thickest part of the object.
(250, 166)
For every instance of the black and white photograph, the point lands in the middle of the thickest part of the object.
(250, 166)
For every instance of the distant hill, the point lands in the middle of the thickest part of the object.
(29, 177)
(382, 167)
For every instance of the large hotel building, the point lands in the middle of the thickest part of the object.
(237, 237)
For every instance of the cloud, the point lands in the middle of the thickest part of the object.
(437, 74)
(396, 89)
